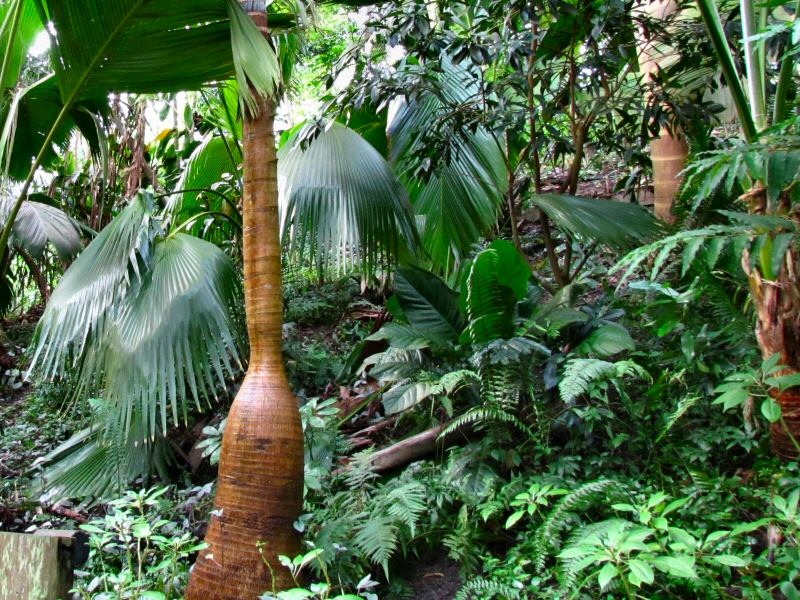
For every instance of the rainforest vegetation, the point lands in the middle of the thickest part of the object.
(426, 299)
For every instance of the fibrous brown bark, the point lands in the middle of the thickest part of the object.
(260, 485)
(777, 304)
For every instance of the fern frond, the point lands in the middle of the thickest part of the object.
(377, 539)
(683, 406)
(546, 535)
(580, 372)
(406, 504)
(481, 415)
(486, 589)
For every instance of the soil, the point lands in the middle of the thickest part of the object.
(433, 577)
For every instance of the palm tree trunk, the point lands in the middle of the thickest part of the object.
(260, 485)
(669, 151)
(777, 304)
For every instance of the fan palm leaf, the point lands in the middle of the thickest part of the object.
(616, 224)
(39, 223)
(147, 319)
(341, 203)
(461, 199)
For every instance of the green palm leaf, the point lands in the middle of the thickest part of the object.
(149, 320)
(28, 120)
(152, 46)
(497, 279)
(209, 164)
(39, 224)
(428, 303)
(460, 201)
(28, 25)
(616, 224)
(341, 203)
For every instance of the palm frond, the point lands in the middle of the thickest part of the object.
(341, 203)
(148, 320)
(39, 224)
(28, 119)
(460, 200)
(616, 224)
(149, 46)
(16, 47)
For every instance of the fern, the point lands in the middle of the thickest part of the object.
(683, 406)
(406, 503)
(580, 372)
(377, 539)
(546, 535)
(481, 415)
(571, 568)
(486, 589)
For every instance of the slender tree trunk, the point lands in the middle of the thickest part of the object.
(260, 485)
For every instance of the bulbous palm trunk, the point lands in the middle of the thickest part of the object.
(260, 486)
(669, 151)
(777, 304)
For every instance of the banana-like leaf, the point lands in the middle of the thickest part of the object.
(497, 279)
(38, 224)
(460, 200)
(28, 25)
(341, 203)
(29, 118)
(148, 320)
(619, 225)
(149, 46)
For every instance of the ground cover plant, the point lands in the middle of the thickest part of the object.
(412, 299)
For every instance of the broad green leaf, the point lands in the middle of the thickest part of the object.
(677, 566)
(607, 340)
(771, 410)
(428, 303)
(606, 574)
(642, 571)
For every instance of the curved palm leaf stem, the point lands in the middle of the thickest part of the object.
(62, 115)
(713, 23)
(10, 46)
(209, 213)
(230, 202)
(785, 77)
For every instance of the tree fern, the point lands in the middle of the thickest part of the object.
(546, 535)
(406, 503)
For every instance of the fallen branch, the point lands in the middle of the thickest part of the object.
(415, 447)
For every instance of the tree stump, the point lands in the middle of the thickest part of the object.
(36, 567)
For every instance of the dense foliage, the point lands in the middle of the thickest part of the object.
(514, 380)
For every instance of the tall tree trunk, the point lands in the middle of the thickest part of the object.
(669, 151)
(260, 485)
